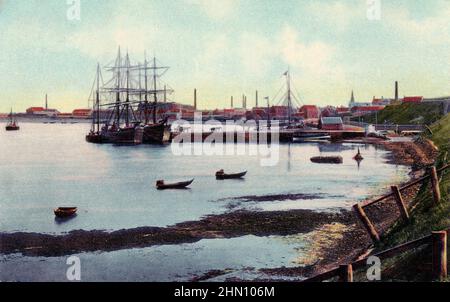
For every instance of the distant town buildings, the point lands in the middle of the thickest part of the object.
(331, 123)
(41, 111)
(412, 99)
(307, 112)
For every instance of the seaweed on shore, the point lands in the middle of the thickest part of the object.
(228, 225)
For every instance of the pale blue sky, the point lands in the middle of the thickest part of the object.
(227, 47)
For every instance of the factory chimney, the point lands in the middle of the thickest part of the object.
(195, 99)
(396, 90)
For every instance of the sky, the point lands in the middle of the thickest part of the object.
(226, 47)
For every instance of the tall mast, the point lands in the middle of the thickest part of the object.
(146, 90)
(98, 98)
(118, 66)
(165, 94)
(289, 98)
(140, 82)
(155, 98)
(127, 106)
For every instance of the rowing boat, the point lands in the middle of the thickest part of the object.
(161, 185)
(222, 175)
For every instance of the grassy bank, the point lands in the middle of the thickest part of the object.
(407, 113)
(425, 218)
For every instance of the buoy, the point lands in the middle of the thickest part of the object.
(358, 156)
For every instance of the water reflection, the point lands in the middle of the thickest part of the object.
(116, 185)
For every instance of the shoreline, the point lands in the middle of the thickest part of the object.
(347, 241)
(229, 225)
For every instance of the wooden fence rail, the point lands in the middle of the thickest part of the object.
(396, 193)
(438, 240)
(439, 258)
(407, 186)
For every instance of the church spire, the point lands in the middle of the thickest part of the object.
(352, 99)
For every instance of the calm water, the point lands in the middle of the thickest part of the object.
(44, 166)
(241, 257)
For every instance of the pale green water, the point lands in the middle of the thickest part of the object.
(46, 166)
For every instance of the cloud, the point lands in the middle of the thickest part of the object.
(433, 29)
(256, 53)
(315, 58)
(216, 9)
(101, 41)
(338, 15)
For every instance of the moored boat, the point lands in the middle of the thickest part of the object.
(12, 124)
(156, 133)
(161, 185)
(12, 127)
(64, 212)
(222, 175)
(327, 159)
(129, 135)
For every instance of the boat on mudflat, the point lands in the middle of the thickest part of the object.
(222, 175)
(161, 185)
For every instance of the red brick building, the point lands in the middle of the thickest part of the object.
(82, 113)
(310, 112)
(413, 99)
(33, 110)
(331, 123)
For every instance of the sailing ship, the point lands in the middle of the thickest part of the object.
(128, 116)
(12, 124)
(155, 132)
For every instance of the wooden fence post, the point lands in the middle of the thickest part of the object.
(439, 255)
(435, 185)
(346, 273)
(366, 222)
(400, 203)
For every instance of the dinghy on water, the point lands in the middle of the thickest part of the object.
(327, 159)
(161, 185)
(64, 212)
(222, 175)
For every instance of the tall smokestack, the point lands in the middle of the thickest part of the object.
(396, 90)
(232, 105)
(195, 99)
(46, 102)
(257, 98)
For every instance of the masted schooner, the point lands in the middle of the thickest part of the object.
(126, 97)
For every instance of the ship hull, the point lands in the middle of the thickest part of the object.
(12, 128)
(124, 136)
(156, 134)
(128, 136)
(96, 138)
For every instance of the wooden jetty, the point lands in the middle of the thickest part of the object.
(284, 135)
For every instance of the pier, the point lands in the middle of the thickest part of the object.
(284, 135)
